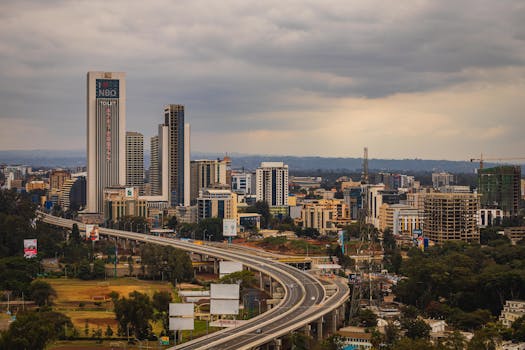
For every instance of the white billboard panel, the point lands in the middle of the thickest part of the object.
(181, 324)
(224, 307)
(229, 227)
(227, 267)
(224, 291)
(181, 309)
(30, 248)
(92, 233)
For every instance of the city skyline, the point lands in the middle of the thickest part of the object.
(412, 80)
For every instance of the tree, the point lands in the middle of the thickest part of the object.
(334, 342)
(161, 302)
(99, 269)
(75, 235)
(84, 270)
(413, 344)
(365, 318)
(109, 332)
(261, 207)
(391, 333)
(455, 341)
(245, 278)
(210, 229)
(34, 330)
(518, 330)
(297, 341)
(41, 292)
(416, 329)
(134, 312)
(389, 241)
(172, 222)
(159, 262)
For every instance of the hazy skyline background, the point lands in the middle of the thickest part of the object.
(425, 79)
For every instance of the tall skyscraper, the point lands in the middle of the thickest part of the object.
(174, 120)
(500, 188)
(106, 135)
(135, 160)
(154, 169)
(159, 171)
(272, 183)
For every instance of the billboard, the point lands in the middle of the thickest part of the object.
(92, 233)
(227, 267)
(179, 324)
(229, 227)
(107, 88)
(30, 248)
(224, 291)
(181, 309)
(129, 192)
(224, 307)
(341, 240)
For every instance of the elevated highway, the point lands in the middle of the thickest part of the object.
(305, 305)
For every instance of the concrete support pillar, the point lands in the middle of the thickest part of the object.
(342, 313)
(320, 329)
(278, 344)
(215, 267)
(307, 330)
(271, 286)
(261, 282)
(333, 324)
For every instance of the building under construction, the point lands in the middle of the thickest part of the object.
(451, 216)
(499, 188)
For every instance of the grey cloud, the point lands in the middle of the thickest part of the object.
(233, 62)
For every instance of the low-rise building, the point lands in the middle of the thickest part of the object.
(323, 214)
(490, 217)
(512, 310)
(515, 234)
(122, 201)
(355, 338)
(216, 203)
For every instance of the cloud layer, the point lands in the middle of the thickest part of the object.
(427, 79)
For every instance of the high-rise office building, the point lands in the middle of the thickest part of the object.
(135, 160)
(272, 183)
(500, 188)
(106, 135)
(174, 120)
(451, 216)
(159, 171)
(154, 168)
(206, 173)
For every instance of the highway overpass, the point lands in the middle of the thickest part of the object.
(305, 306)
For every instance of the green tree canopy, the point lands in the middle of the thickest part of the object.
(34, 330)
(134, 313)
(42, 293)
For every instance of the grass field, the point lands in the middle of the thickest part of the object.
(88, 301)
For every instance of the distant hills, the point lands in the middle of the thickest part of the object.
(76, 158)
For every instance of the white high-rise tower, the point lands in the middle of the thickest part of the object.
(106, 135)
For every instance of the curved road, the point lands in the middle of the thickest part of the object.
(304, 300)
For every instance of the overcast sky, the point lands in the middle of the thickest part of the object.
(426, 79)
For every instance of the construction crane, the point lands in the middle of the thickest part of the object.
(481, 159)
